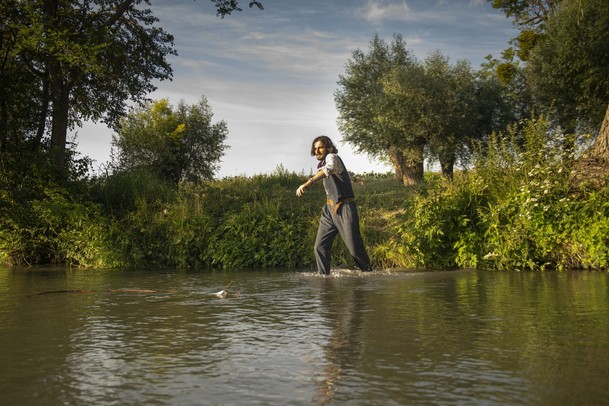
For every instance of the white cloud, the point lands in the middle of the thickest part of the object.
(377, 11)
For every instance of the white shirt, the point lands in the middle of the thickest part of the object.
(333, 165)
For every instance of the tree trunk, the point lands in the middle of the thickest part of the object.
(408, 164)
(44, 112)
(60, 85)
(397, 160)
(448, 168)
(59, 93)
(600, 149)
(592, 168)
(413, 170)
(59, 128)
(413, 174)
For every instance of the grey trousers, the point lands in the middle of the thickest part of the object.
(346, 223)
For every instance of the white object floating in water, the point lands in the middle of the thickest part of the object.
(224, 292)
(221, 294)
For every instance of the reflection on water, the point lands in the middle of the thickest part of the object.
(390, 338)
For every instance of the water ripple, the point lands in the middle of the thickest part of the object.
(298, 338)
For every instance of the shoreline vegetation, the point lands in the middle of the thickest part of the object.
(514, 208)
(523, 182)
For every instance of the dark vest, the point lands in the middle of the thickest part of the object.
(338, 186)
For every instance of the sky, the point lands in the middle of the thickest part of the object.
(271, 74)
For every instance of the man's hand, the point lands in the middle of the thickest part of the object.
(305, 186)
(301, 189)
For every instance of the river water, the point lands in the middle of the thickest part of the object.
(108, 337)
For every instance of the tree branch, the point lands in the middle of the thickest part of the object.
(122, 9)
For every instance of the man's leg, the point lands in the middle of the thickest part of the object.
(347, 222)
(326, 232)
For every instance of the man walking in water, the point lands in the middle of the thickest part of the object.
(339, 215)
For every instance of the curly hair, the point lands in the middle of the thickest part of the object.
(327, 143)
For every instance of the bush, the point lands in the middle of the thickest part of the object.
(440, 227)
(237, 222)
(43, 218)
(514, 210)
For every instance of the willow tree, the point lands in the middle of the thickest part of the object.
(446, 106)
(452, 120)
(362, 103)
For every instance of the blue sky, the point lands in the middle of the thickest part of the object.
(272, 74)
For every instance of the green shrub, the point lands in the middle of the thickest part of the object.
(440, 227)
(586, 242)
(120, 192)
(258, 236)
(55, 229)
(514, 210)
(524, 223)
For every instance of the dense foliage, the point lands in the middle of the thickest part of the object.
(63, 62)
(563, 47)
(361, 98)
(569, 66)
(84, 60)
(520, 204)
(514, 210)
(397, 108)
(175, 144)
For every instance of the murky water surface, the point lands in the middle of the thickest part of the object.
(74, 337)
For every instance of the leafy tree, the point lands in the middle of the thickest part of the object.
(87, 59)
(175, 145)
(452, 100)
(530, 16)
(527, 13)
(516, 99)
(69, 61)
(569, 67)
(19, 96)
(364, 105)
(226, 7)
(565, 43)
(449, 106)
(391, 105)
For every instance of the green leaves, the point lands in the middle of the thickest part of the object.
(175, 145)
(568, 68)
(514, 210)
(262, 235)
(396, 108)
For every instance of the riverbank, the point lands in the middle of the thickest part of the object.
(258, 222)
(516, 208)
